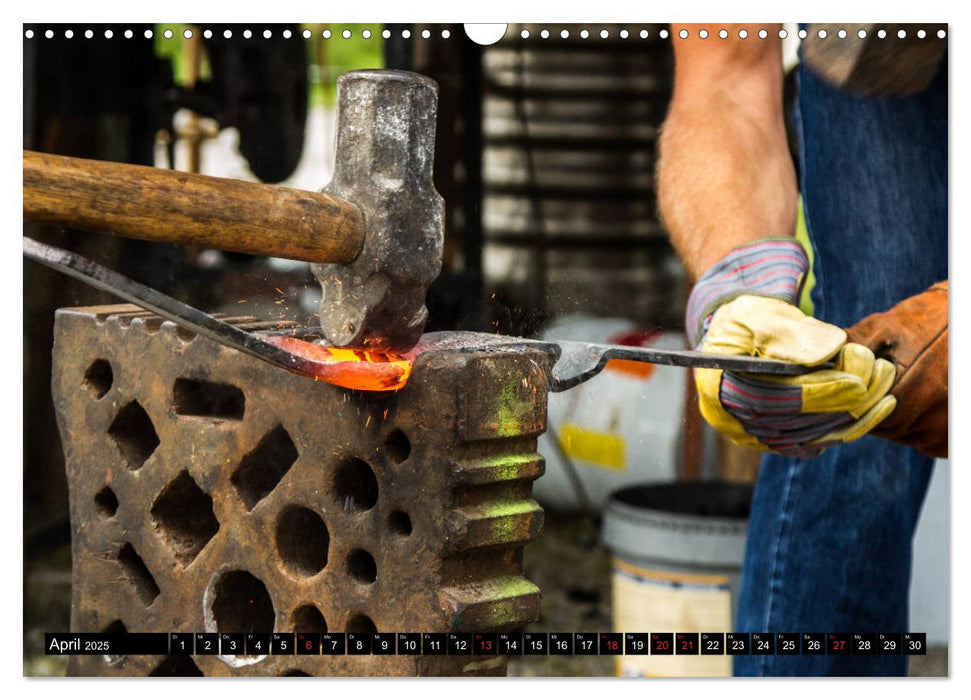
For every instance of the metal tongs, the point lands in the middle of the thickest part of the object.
(574, 362)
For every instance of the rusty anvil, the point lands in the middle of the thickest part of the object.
(374, 234)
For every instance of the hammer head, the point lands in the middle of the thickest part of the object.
(385, 151)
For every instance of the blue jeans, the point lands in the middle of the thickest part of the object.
(829, 539)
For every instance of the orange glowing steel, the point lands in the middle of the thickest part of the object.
(351, 369)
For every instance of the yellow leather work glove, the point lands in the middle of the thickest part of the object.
(790, 415)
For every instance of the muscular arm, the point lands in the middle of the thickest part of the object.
(725, 176)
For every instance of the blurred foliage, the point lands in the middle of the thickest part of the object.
(329, 58)
(174, 49)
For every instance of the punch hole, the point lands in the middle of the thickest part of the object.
(783, 34)
(821, 33)
(902, 34)
(882, 34)
(98, 378)
(287, 34)
(134, 434)
(425, 34)
(643, 34)
(921, 34)
(138, 574)
(743, 34)
(106, 502)
(228, 34)
(524, 34)
(247, 34)
(149, 33)
(400, 523)
(302, 540)
(584, 33)
(446, 34)
(69, 34)
(242, 604)
(683, 34)
(207, 34)
(703, 34)
(941, 33)
(366, 33)
(485, 34)
(88, 34)
(347, 33)
(187, 34)
(763, 34)
(362, 624)
(355, 486)
(307, 618)
(723, 34)
(406, 34)
(564, 34)
(306, 34)
(604, 34)
(184, 518)
(29, 34)
(109, 33)
(663, 33)
(326, 34)
(545, 34)
(624, 34)
(841, 33)
(386, 34)
(167, 33)
(861, 33)
(361, 566)
(49, 34)
(803, 33)
(262, 469)
(267, 34)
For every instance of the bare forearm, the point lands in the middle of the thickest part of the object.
(725, 176)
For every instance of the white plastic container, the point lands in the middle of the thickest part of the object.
(621, 427)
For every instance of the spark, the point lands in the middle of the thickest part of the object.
(367, 422)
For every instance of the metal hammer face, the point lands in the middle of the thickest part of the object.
(385, 153)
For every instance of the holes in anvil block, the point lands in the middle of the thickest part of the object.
(133, 432)
(176, 665)
(106, 502)
(355, 485)
(138, 574)
(399, 523)
(361, 566)
(307, 618)
(302, 540)
(241, 603)
(196, 398)
(184, 517)
(261, 470)
(115, 627)
(362, 624)
(397, 446)
(98, 378)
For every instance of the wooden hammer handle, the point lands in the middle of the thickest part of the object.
(176, 207)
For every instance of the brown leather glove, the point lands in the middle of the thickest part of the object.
(913, 335)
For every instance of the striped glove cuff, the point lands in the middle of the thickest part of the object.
(771, 267)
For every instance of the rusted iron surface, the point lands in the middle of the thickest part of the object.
(213, 492)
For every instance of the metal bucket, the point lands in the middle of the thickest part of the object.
(678, 550)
